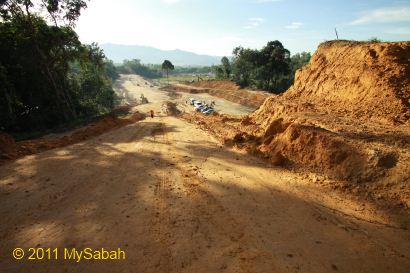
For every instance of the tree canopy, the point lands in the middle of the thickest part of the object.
(135, 67)
(47, 77)
(226, 67)
(270, 68)
(167, 66)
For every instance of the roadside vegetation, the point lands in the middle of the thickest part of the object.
(47, 77)
(136, 67)
(156, 71)
(271, 68)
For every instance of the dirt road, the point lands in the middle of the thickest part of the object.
(175, 200)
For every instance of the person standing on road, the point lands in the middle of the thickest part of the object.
(152, 113)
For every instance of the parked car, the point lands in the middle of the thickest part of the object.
(208, 111)
(201, 107)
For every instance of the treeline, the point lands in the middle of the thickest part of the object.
(270, 68)
(155, 71)
(135, 67)
(193, 70)
(47, 77)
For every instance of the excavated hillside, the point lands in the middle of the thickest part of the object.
(345, 118)
(366, 81)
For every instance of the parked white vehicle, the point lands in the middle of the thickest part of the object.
(201, 106)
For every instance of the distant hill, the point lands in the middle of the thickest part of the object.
(150, 55)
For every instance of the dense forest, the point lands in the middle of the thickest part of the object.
(271, 68)
(47, 77)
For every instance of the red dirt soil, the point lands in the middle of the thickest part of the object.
(223, 89)
(346, 117)
(216, 84)
(368, 81)
(9, 149)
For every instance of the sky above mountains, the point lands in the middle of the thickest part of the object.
(215, 27)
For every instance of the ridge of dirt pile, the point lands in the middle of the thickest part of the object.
(346, 117)
(343, 157)
(242, 96)
(217, 84)
(9, 149)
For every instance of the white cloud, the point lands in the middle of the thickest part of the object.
(397, 14)
(399, 31)
(254, 22)
(295, 25)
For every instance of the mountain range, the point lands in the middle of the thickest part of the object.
(150, 55)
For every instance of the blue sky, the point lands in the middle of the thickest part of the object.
(215, 27)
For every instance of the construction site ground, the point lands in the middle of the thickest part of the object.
(176, 200)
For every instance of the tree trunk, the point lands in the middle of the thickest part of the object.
(10, 112)
(62, 101)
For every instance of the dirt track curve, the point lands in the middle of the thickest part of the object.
(175, 200)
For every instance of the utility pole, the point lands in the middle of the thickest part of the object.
(337, 36)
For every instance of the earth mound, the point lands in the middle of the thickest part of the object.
(232, 92)
(217, 84)
(366, 81)
(170, 108)
(346, 118)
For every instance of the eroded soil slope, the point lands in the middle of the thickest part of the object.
(346, 117)
(223, 89)
(367, 81)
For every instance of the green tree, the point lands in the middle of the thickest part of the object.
(111, 70)
(135, 67)
(298, 60)
(167, 66)
(24, 12)
(244, 63)
(268, 68)
(273, 62)
(47, 77)
(65, 12)
(374, 40)
(219, 72)
(226, 66)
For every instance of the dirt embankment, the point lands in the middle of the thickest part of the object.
(223, 89)
(10, 149)
(345, 118)
(367, 81)
(217, 84)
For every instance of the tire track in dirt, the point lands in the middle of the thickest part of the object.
(161, 221)
(203, 210)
